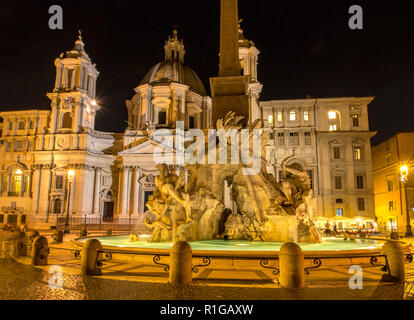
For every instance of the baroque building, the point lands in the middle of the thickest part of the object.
(114, 172)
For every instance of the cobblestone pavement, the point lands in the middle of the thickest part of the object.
(125, 281)
(21, 281)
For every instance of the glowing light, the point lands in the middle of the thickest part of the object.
(404, 171)
(94, 103)
(292, 116)
(332, 115)
(18, 171)
(71, 174)
(270, 119)
(332, 127)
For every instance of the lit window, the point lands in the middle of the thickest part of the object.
(306, 115)
(332, 115)
(339, 212)
(355, 120)
(333, 127)
(270, 119)
(357, 153)
(279, 116)
(292, 116)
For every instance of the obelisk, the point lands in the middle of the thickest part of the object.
(229, 89)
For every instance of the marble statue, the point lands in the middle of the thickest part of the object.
(188, 203)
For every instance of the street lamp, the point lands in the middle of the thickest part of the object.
(71, 174)
(404, 179)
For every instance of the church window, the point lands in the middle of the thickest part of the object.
(162, 117)
(191, 122)
(67, 121)
(59, 182)
(70, 76)
(57, 205)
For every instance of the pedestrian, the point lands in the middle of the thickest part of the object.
(327, 229)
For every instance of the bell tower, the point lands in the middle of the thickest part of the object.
(73, 98)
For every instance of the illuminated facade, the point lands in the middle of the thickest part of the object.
(331, 140)
(391, 203)
(114, 172)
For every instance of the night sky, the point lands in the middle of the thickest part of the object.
(306, 48)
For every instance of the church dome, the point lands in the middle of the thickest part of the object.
(174, 71)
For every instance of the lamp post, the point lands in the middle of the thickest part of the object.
(404, 179)
(71, 174)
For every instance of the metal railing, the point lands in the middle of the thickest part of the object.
(97, 224)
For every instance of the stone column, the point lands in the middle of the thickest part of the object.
(97, 187)
(123, 191)
(135, 191)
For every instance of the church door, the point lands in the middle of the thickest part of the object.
(108, 212)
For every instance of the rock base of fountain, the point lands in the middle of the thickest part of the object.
(189, 205)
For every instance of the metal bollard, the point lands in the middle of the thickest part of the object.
(395, 257)
(291, 265)
(90, 258)
(181, 259)
(40, 251)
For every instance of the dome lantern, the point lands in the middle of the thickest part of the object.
(174, 48)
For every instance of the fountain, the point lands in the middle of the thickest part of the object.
(189, 205)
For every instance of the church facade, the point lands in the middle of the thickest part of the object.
(114, 172)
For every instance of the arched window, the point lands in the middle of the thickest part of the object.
(67, 121)
(17, 182)
(334, 121)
